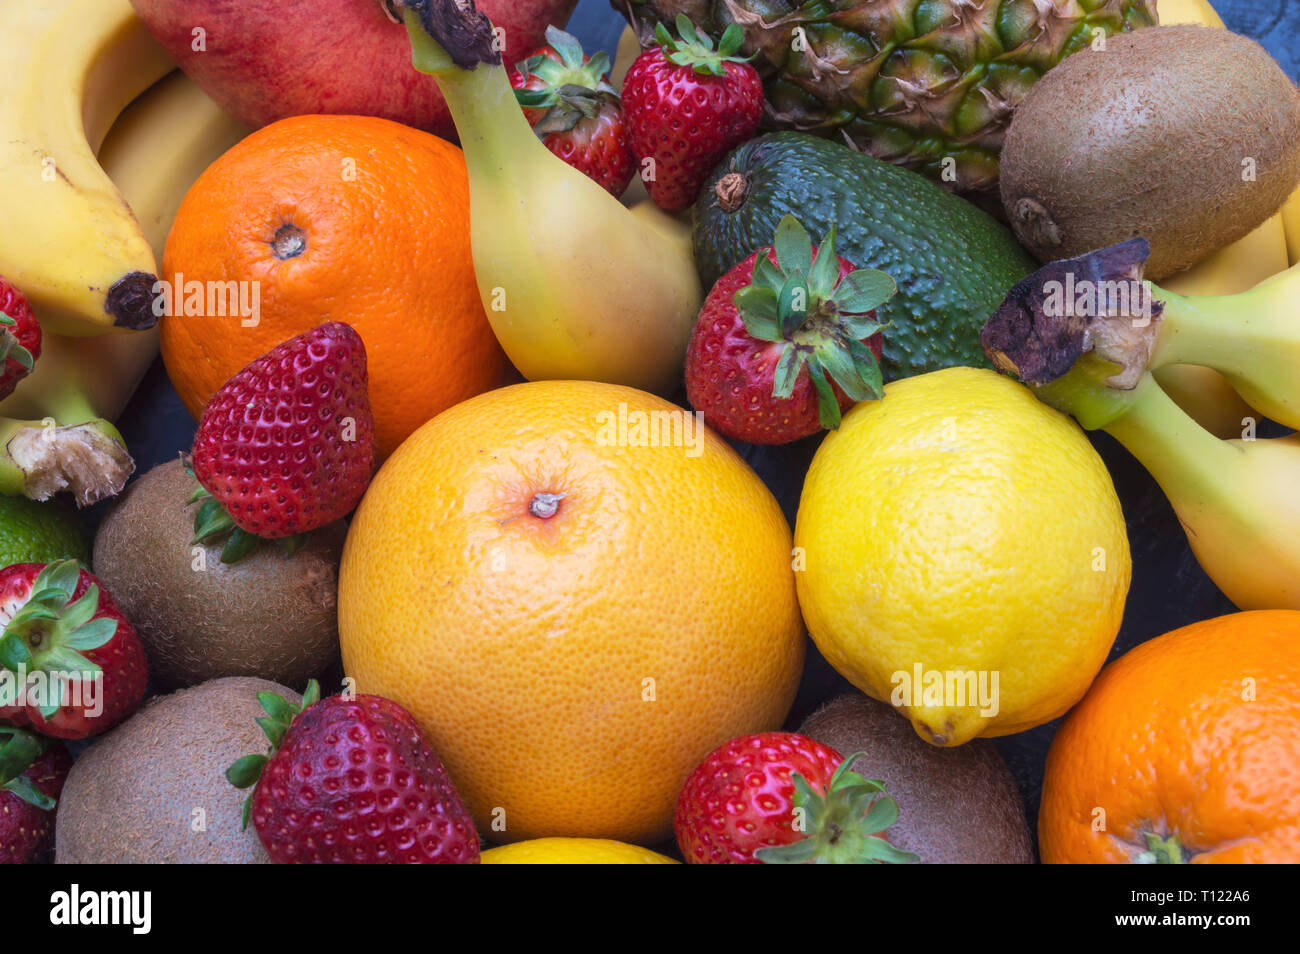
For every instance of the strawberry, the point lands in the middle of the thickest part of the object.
(774, 329)
(32, 772)
(351, 781)
(686, 106)
(286, 445)
(71, 665)
(20, 338)
(571, 106)
(782, 798)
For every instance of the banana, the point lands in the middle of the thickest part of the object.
(154, 152)
(1235, 498)
(1188, 11)
(69, 240)
(574, 283)
(1291, 220)
(1201, 392)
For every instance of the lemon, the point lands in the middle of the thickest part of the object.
(963, 555)
(32, 532)
(573, 851)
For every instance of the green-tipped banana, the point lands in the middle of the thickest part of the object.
(1236, 499)
(573, 282)
(1251, 338)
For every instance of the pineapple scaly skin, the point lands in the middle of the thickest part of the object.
(927, 84)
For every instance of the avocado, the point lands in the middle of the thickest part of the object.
(953, 264)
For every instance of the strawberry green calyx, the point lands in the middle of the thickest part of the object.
(19, 748)
(9, 346)
(213, 521)
(280, 713)
(845, 826)
(823, 320)
(696, 51)
(574, 89)
(50, 632)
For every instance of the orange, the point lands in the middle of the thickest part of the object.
(576, 618)
(335, 218)
(1186, 748)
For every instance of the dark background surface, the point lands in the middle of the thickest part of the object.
(1168, 589)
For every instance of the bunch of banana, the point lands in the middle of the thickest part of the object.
(70, 242)
(1236, 498)
(55, 433)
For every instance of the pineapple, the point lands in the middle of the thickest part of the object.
(926, 84)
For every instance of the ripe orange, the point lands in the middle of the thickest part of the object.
(1188, 745)
(572, 658)
(335, 218)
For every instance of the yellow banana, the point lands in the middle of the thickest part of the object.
(1187, 11)
(69, 240)
(1237, 498)
(1291, 221)
(629, 48)
(575, 285)
(1201, 392)
(154, 152)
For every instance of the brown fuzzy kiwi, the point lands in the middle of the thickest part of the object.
(955, 805)
(139, 793)
(1154, 135)
(269, 615)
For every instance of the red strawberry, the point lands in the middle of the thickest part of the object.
(786, 341)
(32, 772)
(686, 106)
(20, 338)
(351, 781)
(781, 798)
(575, 111)
(286, 445)
(71, 665)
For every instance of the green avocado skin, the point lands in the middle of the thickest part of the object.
(952, 262)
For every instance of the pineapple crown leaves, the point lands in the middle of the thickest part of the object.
(574, 89)
(280, 713)
(50, 632)
(9, 346)
(213, 521)
(19, 748)
(845, 826)
(695, 49)
(823, 320)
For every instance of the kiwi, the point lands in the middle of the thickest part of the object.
(955, 805)
(154, 790)
(1186, 135)
(268, 615)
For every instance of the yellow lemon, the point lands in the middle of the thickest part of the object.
(963, 555)
(573, 851)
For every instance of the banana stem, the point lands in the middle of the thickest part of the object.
(41, 458)
(1189, 463)
(493, 131)
(1251, 338)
